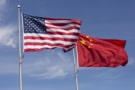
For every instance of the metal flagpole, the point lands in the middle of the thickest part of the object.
(75, 70)
(19, 43)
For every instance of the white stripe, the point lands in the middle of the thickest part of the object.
(64, 26)
(58, 21)
(66, 49)
(51, 36)
(38, 47)
(49, 41)
(62, 30)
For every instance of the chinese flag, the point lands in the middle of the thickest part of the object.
(96, 52)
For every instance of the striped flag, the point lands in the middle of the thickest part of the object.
(48, 33)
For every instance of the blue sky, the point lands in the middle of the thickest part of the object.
(53, 69)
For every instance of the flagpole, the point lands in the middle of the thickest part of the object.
(19, 44)
(75, 70)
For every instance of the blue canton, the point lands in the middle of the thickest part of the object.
(34, 24)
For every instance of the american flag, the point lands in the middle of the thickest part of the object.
(48, 33)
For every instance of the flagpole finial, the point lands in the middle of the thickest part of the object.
(19, 6)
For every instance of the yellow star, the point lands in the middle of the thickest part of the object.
(87, 37)
(89, 46)
(83, 42)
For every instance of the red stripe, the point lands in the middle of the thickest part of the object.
(39, 49)
(73, 20)
(45, 38)
(62, 33)
(35, 49)
(57, 19)
(76, 21)
(63, 24)
(69, 28)
(42, 44)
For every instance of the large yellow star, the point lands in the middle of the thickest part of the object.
(83, 42)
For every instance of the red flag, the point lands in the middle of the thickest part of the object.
(96, 52)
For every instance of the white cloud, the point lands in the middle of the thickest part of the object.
(109, 73)
(6, 31)
(50, 68)
(2, 2)
(52, 72)
(131, 61)
(7, 36)
(43, 68)
(2, 8)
